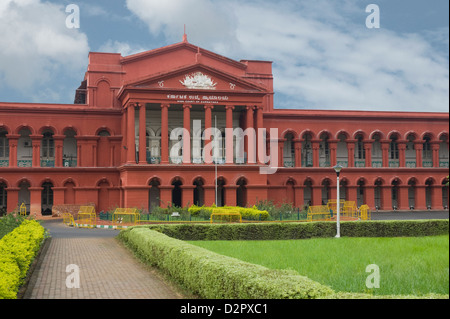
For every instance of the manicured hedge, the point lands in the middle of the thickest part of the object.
(213, 276)
(247, 213)
(17, 250)
(280, 231)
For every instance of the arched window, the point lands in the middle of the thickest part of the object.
(324, 151)
(4, 149)
(393, 152)
(24, 149)
(377, 154)
(342, 150)
(70, 149)
(289, 151)
(48, 150)
(410, 152)
(307, 151)
(427, 154)
(443, 152)
(360, 152)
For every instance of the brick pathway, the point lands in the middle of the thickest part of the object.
(107, 271)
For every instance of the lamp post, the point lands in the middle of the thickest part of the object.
(338, 169)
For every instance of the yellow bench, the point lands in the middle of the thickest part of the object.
(323, 212)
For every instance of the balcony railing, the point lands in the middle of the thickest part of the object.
(153, 159)
(47, 163)
(411, 164)
(324, 162)
(394, 163)
(443, 164)
(4, 163)
(343, 163)
(427, 163)
(289, 163)
(360, 163)
(377, 163)
(70, 163)
(176, 160)
(24, 163)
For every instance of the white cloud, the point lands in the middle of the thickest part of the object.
(209, 23)
(330, 65)
(36, 46)
(324, 56)
(123, 48)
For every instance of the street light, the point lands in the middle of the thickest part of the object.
(338, 169)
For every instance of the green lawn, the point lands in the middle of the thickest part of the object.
(408, 266)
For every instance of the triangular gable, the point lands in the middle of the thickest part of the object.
(196, 77)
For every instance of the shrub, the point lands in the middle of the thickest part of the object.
(252, 213)
(275, 231)
(213, 276)
(17, 250)
(9, 222)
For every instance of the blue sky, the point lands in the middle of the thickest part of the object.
(324, 55)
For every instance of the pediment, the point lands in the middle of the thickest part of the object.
(196, 77)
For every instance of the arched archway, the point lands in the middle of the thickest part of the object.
(199, 192)
(326, 191)
(241, 192)
(361, 194)
(3, 198)
(221, 200)
(412, 183)
(154, 194)
(307, 192)
(177, 193)
(378, 194)
(47, 198)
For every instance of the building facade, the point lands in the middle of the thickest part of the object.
(138, 135)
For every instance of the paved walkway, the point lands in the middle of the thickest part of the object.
(107, 270)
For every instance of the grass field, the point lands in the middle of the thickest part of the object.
(408, 266)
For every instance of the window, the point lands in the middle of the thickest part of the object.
(4, 146)
(48, 146)
(360, 151)
(393, 150)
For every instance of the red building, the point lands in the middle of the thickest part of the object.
(117, 144)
